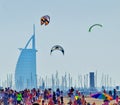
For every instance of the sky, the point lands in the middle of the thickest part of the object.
(70, 20)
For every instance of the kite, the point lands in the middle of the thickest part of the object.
(45, 20)
(57, 47)
(94, 26)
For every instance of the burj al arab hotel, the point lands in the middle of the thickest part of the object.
(25, 72)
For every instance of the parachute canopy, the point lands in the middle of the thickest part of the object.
(94, 26)
(57, 47)
(45, 20)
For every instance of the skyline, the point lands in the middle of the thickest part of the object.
(84, 51)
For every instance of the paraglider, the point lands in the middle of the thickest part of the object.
(94, 26)
(57, 47)
(45, 20)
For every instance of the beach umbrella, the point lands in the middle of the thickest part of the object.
(103, 96)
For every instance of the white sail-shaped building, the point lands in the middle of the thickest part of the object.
(25, 72)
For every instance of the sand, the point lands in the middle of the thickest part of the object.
(91, 100)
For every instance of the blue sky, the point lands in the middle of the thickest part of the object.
(70, 20)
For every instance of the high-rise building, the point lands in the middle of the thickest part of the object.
(92, 80)
(25, 72)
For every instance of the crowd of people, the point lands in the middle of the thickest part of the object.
(41, 97)
(44, 97)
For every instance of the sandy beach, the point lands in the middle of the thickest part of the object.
(91, 100)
